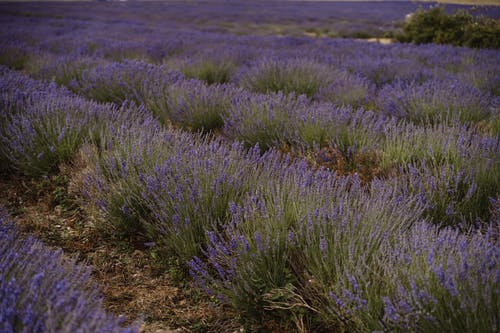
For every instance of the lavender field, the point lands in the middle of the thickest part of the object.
(263, 158)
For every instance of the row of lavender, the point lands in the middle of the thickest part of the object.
(264, 233)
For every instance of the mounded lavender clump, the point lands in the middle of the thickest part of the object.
(167, 184)
(436, 101)
(298, 76)
(444, 281)
(15, 54)
(347, 89)
(211, 71)
(266, 120)
(192, 104)
(350, 258)
(42, 291)
(64, 70)
(274, 120)
(41, 125)
(119, 81)
(300, 238)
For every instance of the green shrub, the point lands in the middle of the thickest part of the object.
(459, 29)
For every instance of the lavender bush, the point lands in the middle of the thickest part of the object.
(42, 129)
(386, 68)
(457, 171)
(209, 71)
(115, 159)
(330, 262)
(288, 76)
(191, 104)
(436, 102)
(439, 144)
(347, 90)
(444, 281)
(43, 291)
(298, 241)
(117, 82)
(64, 70)
(14, 54)
(345, 128)
(450, 196)
(170, 191)
(192, 190)
(263, 119)
(44, 125)
(480, 73)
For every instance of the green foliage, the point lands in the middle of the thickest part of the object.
(210, 71)
(291, 76)
(60, 193)
(494, 126)
(459, 29)
(14, 56)
(405, 144)
(192, 104)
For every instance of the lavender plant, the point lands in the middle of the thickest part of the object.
(163, 48)
(121, 152)
(192, 190)
(445, 280)
(450, 196)
(193, 105)
(64, 70)
(345, 128)
(287, 254)
(43, 129)
(117, 82)
(251, 256)
(287, 76)
(171, 190)
(298, 246)
(457, 171)
(439, 144)
(41, 290)
(347, 90)
(14, 54)
(436, 102)
(385, 69)
(209, 71)
(344, 254)
(44, 125)
(265, 120)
